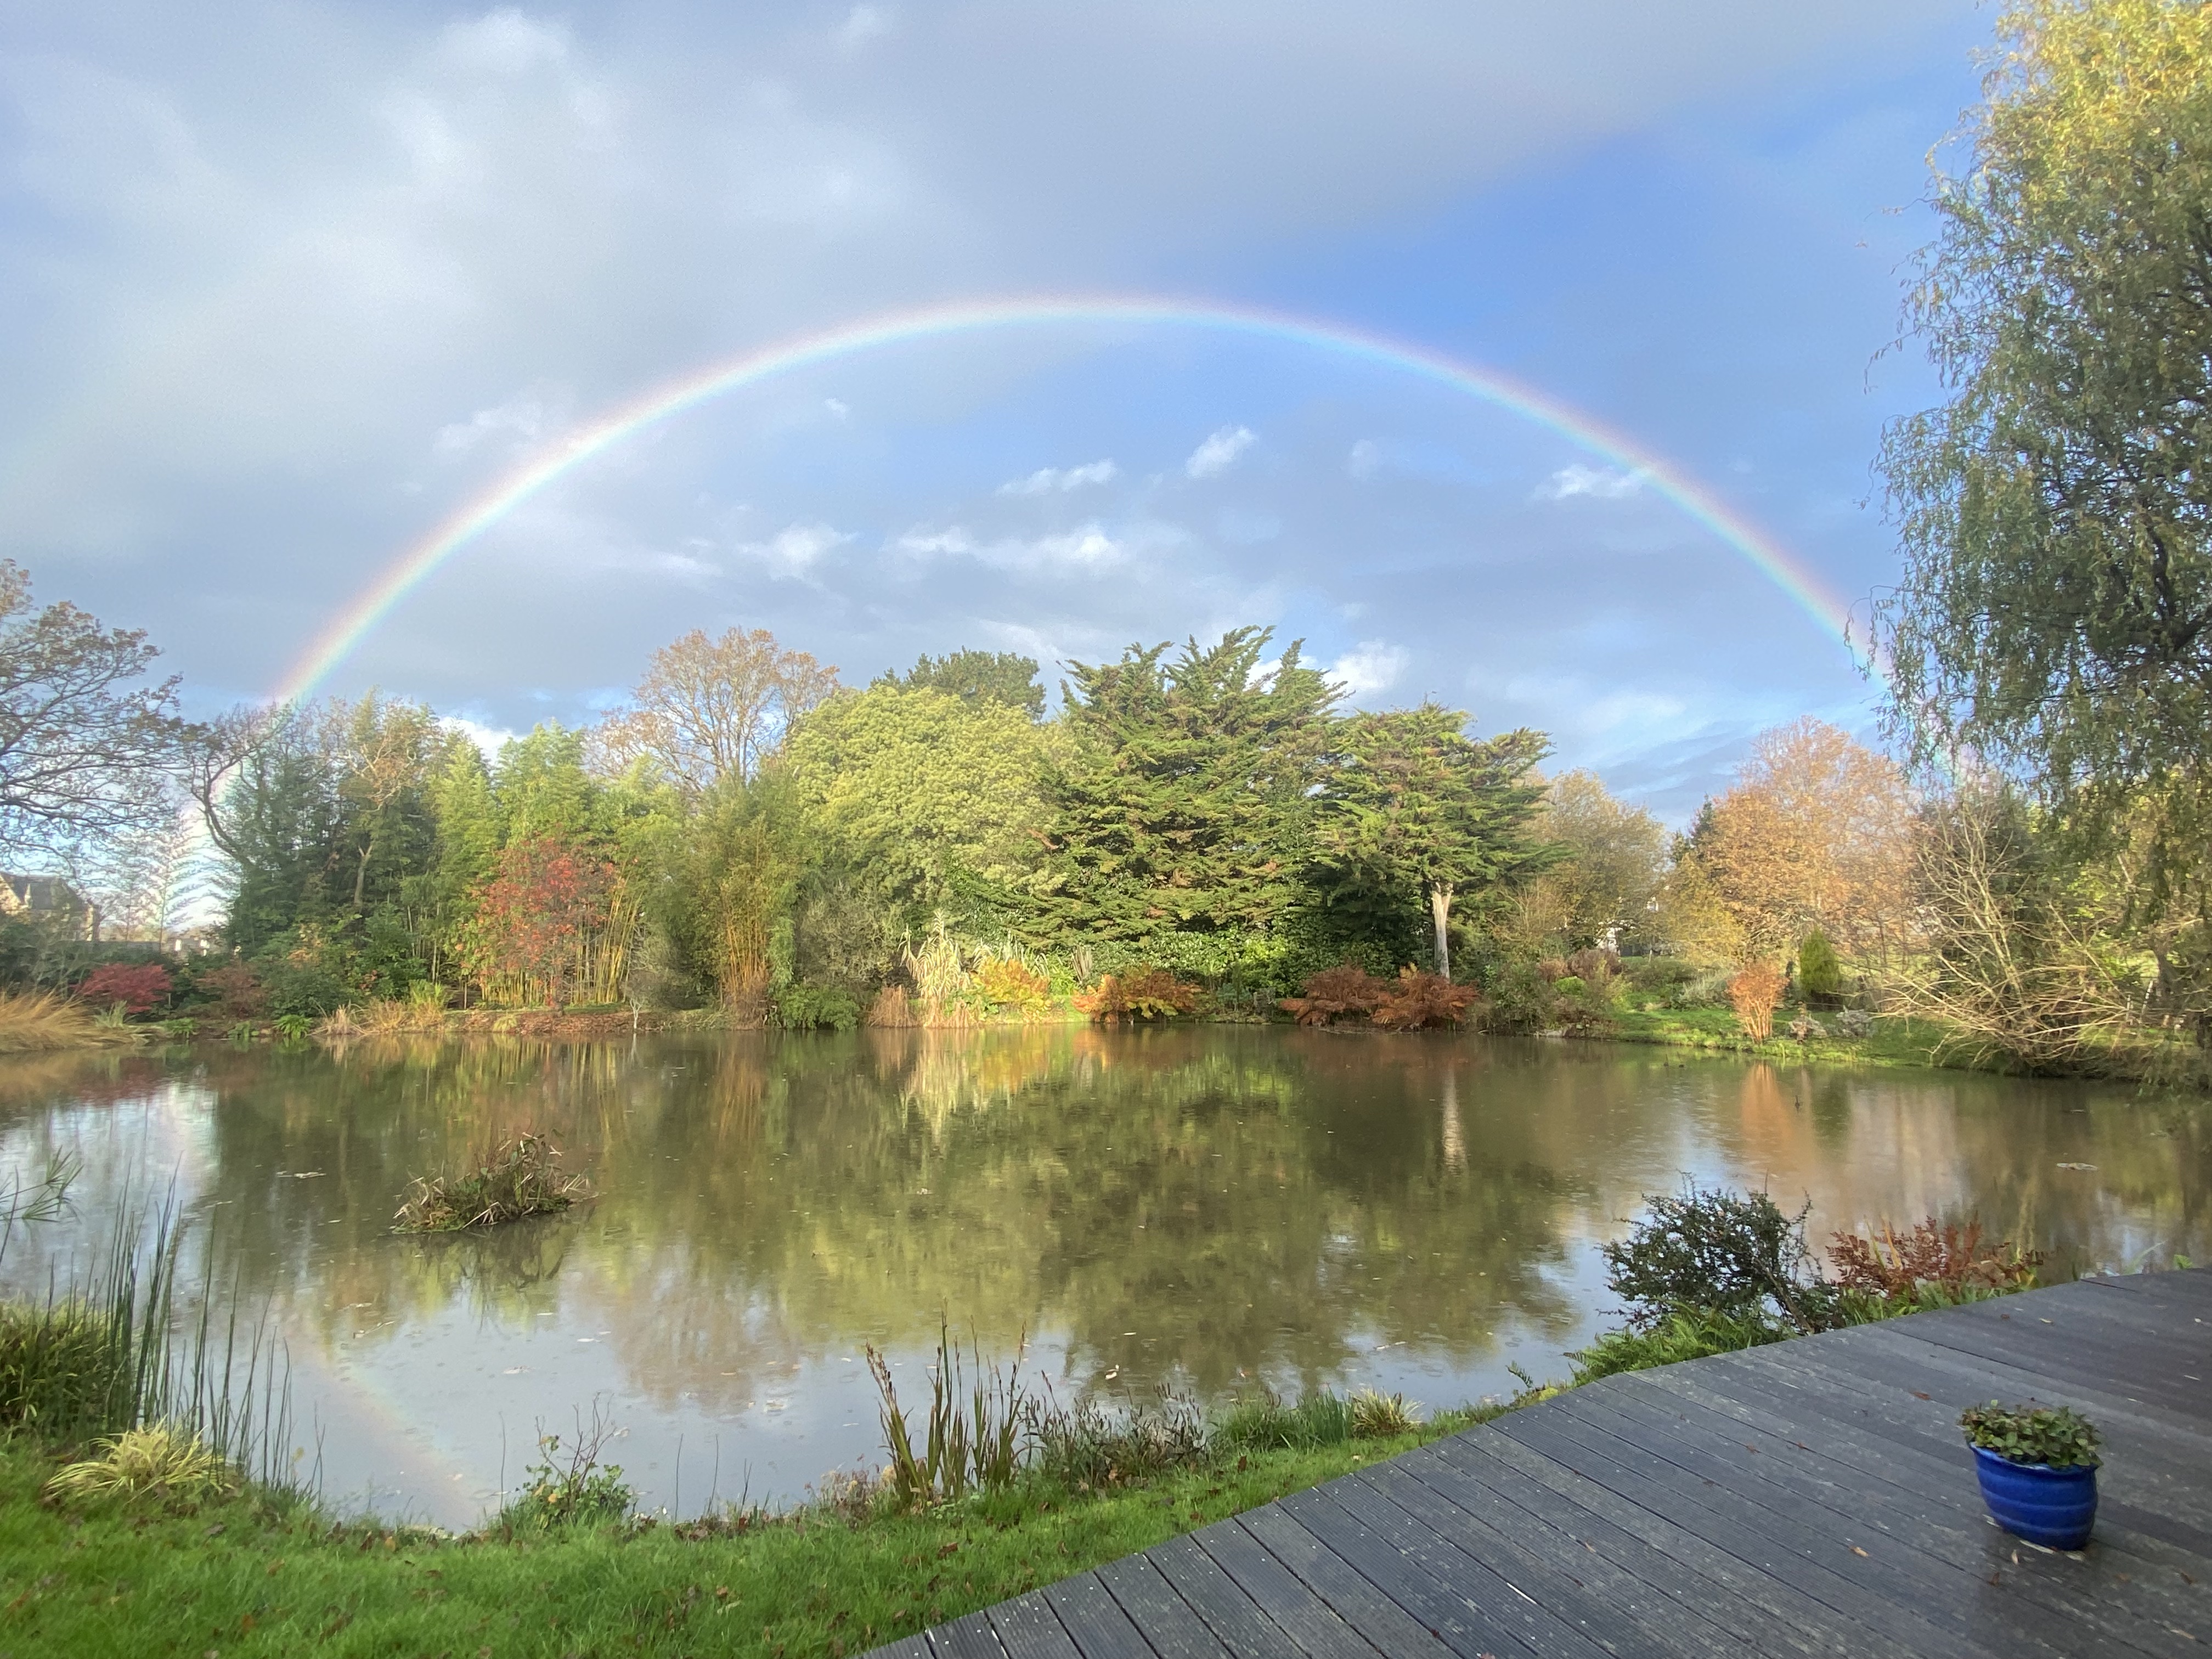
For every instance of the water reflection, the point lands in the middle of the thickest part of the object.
(1207, 1208)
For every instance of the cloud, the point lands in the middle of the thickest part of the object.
(1220, 452)
(1369, 668)
(1049, 480)
(862, 25)
(490, 739)
(1602, 482)
(1365, 459)
(794, 550)
(526, 417)
(1085, 549)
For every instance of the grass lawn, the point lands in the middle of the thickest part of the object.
(241, 1577)
(1891, 1043)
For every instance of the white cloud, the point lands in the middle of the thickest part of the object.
(794, 551)
(490, 739)
(1369, 667)
(525, 417)
(863, 24)
(1220, 452)
(1084, 550)
(1365, 459)
(1050, 480)
(1602, 482)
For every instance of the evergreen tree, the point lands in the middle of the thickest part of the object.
(1186, 803)
(1421, 810)
(977, 676)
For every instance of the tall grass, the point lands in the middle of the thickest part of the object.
(113, 1352)
(973, 1442)
(39, 1021)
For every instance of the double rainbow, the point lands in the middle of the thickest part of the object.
(415, 563)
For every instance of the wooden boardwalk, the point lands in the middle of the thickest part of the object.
(1814, 1497)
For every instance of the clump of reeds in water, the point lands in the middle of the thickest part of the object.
(968, 1444)
(523, 1178)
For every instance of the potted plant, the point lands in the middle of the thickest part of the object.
(2038, 1466)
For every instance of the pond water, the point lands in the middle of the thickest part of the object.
(1207, 1208)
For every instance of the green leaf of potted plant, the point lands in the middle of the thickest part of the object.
(2038, 1467)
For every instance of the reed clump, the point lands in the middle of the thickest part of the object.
(522, 1177)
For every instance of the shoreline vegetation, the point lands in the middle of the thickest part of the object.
(128, 1522)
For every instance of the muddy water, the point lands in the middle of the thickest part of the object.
(1209, 1207)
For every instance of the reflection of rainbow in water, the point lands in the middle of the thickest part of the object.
(479, 513)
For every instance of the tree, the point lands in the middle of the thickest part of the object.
(84, 752)
(1614, 860)
(535, 917)
(1816, 833)
(708, 710)
(2055, 614)
(1001, 677)
(938, 797)
(1420, 807)
(1184, 803)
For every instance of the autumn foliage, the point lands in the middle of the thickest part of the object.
(1951, 1258)
(1009, 982)
(1335, 992)
(1155, 994)
(536, 916)
(1420, 998)
(1755, 992)
(140, 987)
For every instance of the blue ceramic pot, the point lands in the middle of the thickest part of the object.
(2055, 1508)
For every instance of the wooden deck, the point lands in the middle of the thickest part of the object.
(1814, 1497)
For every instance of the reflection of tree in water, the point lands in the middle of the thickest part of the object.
(1239, 1199)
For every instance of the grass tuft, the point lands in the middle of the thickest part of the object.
(522, 1178)
(41, 1021)
(1377, 1416)
(164, 1463)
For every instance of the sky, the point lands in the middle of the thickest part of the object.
(284, 286)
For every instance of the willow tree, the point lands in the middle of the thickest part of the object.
(2055, 614)
(1420, 810)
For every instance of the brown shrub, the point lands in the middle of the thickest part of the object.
(1423, 998)
(1155, 994)
(891, 1009)
(1949, 1257)
(1552, 970)
(1596, 969)
(1755, 992)
(1343, 989)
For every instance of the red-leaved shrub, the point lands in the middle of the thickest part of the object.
(140, 987)
(1422, 998)
(1333, 992)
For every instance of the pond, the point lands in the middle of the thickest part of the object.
(1210, 1208)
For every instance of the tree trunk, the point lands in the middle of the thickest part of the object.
(1440, 898)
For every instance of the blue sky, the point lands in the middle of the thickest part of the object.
(279, 284)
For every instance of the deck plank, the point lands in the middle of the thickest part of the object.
(1809, 1498)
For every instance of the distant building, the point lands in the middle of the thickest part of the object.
(42, 898)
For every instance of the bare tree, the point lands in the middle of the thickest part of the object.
(712, 709)
(85, 753)
(2014, 968)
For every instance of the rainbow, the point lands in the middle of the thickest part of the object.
(474, 517)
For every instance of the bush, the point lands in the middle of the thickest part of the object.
(1335, 992)
(140, 987)
(1154, 993)
(811, 1007)
(230, 992)
(1716, 1252)
(1520, 999)
(1009, 982)
(575, 1490)
(1754, 993)
(42, 1020)
(2032, 1434)
(1819, 974)
(1950, 1259)
(1420, 998)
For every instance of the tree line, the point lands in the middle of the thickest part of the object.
(2026, 867)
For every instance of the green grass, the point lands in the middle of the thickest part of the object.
(1891, 1043)
(243, 1577)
